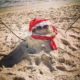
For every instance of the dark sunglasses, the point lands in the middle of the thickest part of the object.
(40, 27)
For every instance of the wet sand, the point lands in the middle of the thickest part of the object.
(34, 6)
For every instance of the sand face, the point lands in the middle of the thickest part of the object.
(61, 64)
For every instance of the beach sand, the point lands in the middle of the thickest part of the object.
(61, 64)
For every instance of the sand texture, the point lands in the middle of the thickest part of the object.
(28, 60)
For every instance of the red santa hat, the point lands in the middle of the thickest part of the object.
(38, 22)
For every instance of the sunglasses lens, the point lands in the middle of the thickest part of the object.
(39, 28)
(45, 26)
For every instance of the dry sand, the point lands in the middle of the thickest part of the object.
(63, 64)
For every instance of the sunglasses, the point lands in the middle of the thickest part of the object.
(40, 27)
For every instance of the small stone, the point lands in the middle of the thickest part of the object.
(30, 76)
(43, 45)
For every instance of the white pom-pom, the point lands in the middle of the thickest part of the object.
(29, 33)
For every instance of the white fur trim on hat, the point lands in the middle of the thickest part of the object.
(43, 23)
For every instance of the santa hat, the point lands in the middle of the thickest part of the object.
(38, 22)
